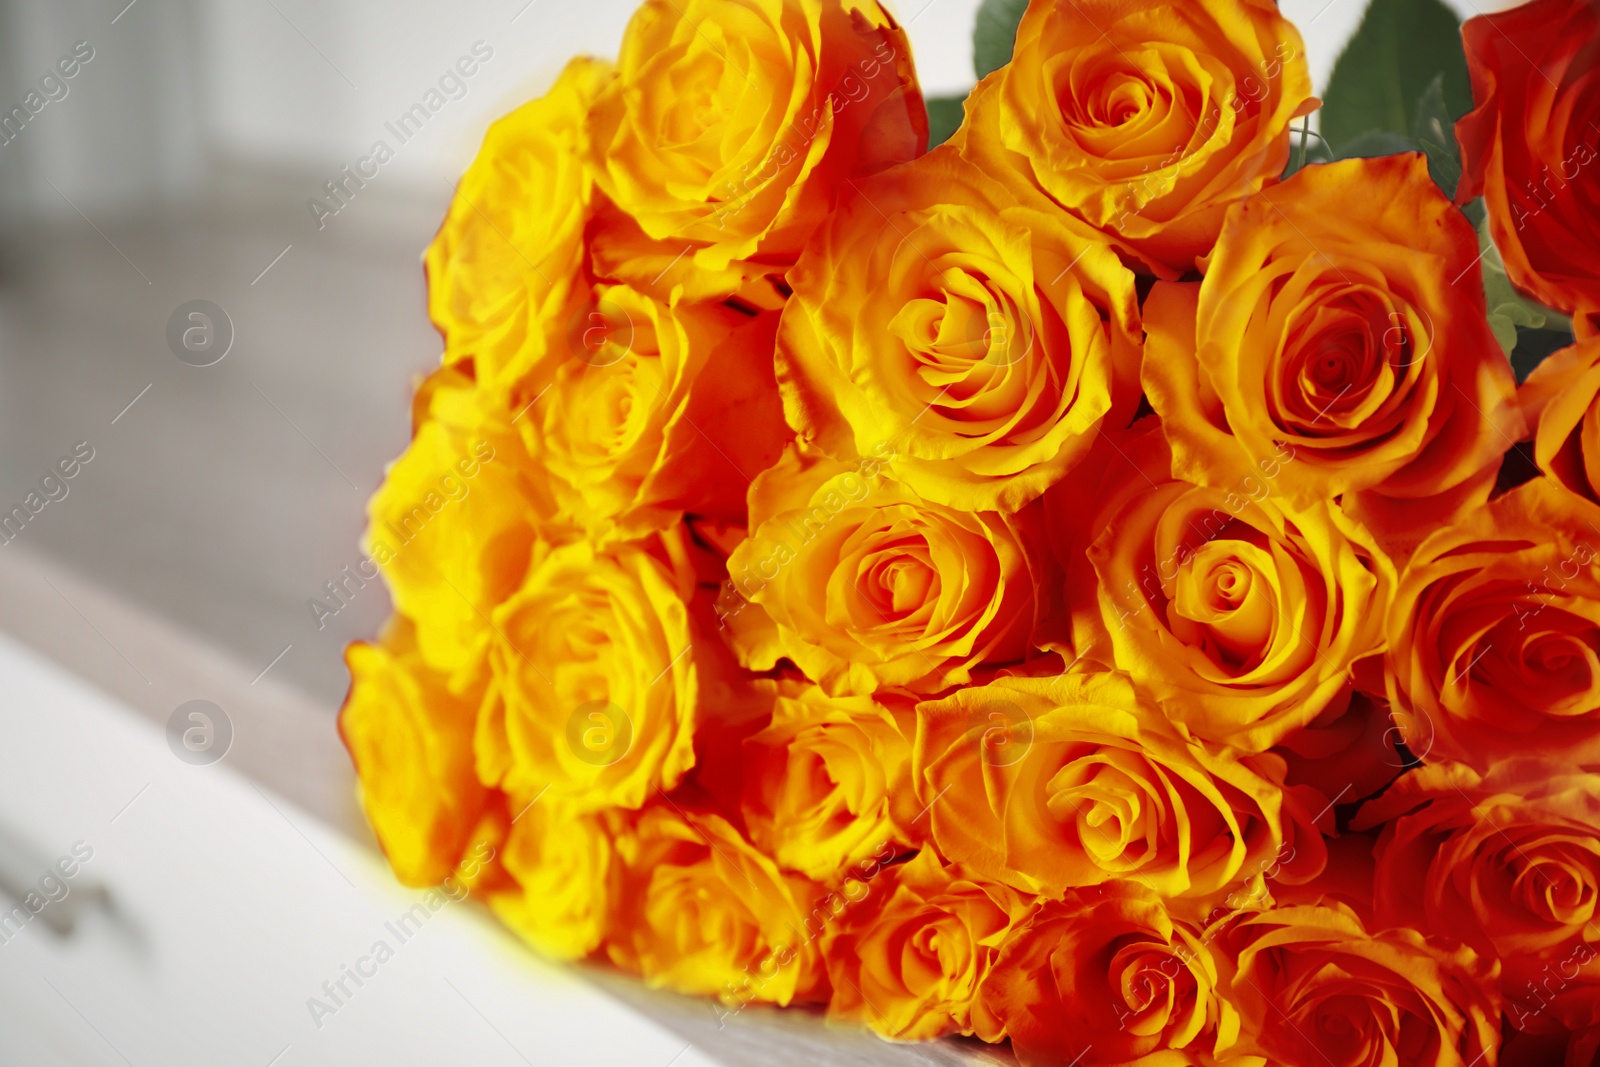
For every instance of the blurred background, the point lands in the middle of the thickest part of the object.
(181, 161)
(178, 165)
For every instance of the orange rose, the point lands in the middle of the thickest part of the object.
(908, 960)
(820, 781)
(1341, 317)
(1047, 785)
(500, 267)
(1145, 120)
(703, 912)
(1348, 752)
(1528, 147)
(1493, 632)
(978, 337)
(732, 124)
(1507, 861)
(1312, 985)
(1560, 400)
(1242, 616)
(1104, 977)
(410, 739)
(647, 409)
(1559, 1012)
(865, 585)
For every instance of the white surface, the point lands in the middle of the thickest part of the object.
(228, 910)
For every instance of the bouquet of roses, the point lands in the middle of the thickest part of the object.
(1095, 583)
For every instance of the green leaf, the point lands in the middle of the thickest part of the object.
(995, 34)
(1387, 67)
(1306, 146)
(1510, 313)
(1434, 131)
(1377, 143)
(1533, 345)
(944, 117)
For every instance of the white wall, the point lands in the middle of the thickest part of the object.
(129, 124)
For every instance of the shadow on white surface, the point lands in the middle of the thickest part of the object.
(225, 910)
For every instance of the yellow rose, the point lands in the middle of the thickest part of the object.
(1047, 785)
(1242, 616)
(702, 912)
(1328, 326)
(979, 338)
(512, 244)
(1312, 985)
(567, 877)
(733, 123)
(410, 738)
(1145, 120)
(595, 680)
(863, 584)
(1105, 977)
(453, 523)
(907, 959)
(652, 409)
(821, 778)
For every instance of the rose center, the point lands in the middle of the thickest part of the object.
(1558, 886)
(1108, 805)
(1221, 605)
(1151, 985)
(1345, 361)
